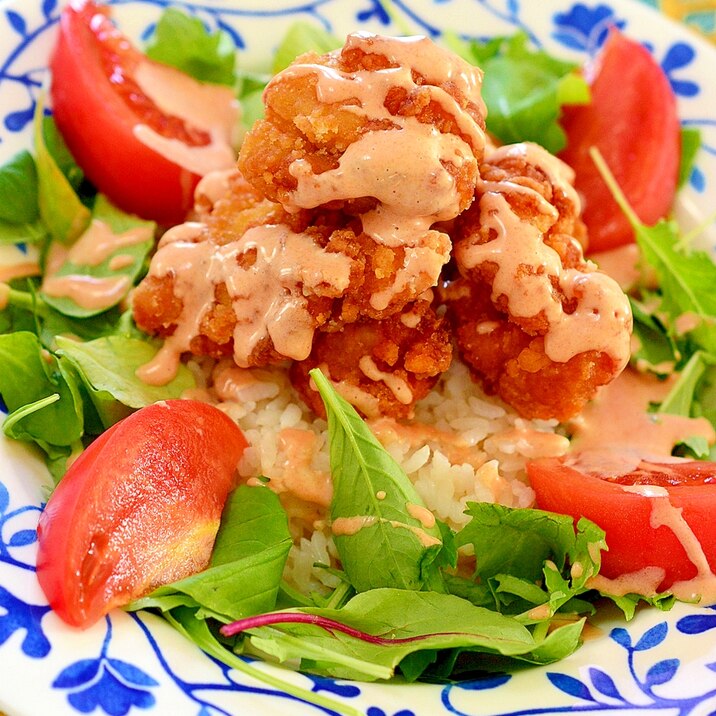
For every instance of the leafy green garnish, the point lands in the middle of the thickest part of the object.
(61, 210)
(682, 313)
(18, 188)
(184, 42)
(302, 37)
(107, 367)
(379, 542)
(396, 623)
(690, 144)
(246, 565)
(132, 255)
(524, 89)
(43, 399)
(528, 558)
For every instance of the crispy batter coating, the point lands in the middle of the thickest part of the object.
(512, 363)
(536, 323)
(323, 105)
(381, 367)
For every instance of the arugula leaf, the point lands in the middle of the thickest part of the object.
(65, 216)
(18, 188)
(184, 42)
(107, 366)
(524, 89)
(379, 542)
(656, 351)
(32, 233)
(516, 549)
(246, 565)
(302, 37)
(136, 253)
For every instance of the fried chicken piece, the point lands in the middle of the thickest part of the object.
(381, 367)
(537, 324)
(383, 121)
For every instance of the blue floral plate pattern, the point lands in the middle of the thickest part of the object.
(134, 664)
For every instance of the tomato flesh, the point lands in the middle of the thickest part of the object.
(139, 508)
(632, 120)
(626, 514)
(97, 104)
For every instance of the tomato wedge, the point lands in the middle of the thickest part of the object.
(632, 507)
(632, 120)
(142, 151)
(139, 508)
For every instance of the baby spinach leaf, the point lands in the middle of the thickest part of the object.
(18, 188)
(524, 89)
(185, 43)
(61, 210)
(246, 566)
(66, 163)
(28, 375)
(384, 626)
(108, 365)
(184, 620)
(32, 233)
(379, 542)
(131, 257)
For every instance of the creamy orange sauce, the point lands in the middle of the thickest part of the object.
(87, 291)
(531, 443)
(211, 108)
(527, 268)
(268, 295)
(93, 247)
(348, 526)
(422, 514)
(618, 420)
(622, 264)
(296, 450)
(397, 386)
(406, 167)
(21, 270)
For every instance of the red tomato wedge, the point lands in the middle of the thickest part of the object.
(630, 513)
(632, 120)
(98, 105)
(139, 508)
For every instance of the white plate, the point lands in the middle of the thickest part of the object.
(663, 663)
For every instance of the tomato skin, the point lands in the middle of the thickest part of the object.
(139, 508)
(625, 515)
(98, 124)
(632, 120)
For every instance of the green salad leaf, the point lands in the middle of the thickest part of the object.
(524, 89)
(393, 624)
(107, 367)
(18, 188)
(185, 43)
(302, 37)
(375, 510)
(132, 258)
(61, 210)
(246, 565)
(690, 145)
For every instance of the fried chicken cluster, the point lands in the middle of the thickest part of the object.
(328, 245)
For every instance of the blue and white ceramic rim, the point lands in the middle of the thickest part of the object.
(136, 664)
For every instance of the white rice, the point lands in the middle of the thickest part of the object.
(461, 446)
